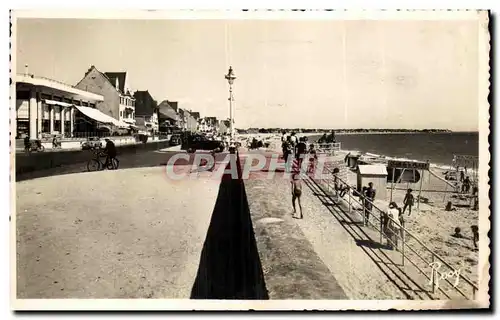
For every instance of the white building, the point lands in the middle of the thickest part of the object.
(46, 106)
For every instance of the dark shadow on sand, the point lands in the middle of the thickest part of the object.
(374, 249)
(230, 266)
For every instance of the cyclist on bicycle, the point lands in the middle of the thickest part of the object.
(110, 151)
(55, 142)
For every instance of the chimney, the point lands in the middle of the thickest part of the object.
(117, 85)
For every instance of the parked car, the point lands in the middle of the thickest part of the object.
(198, 142)
(92, 143)
(175, 140)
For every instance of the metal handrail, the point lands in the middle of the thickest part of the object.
(404, 231)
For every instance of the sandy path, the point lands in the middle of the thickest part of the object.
(354, 270)
(113, 234)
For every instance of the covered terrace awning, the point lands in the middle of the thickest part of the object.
(101, 117)
(58, 103)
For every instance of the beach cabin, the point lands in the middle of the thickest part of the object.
(351, 160)
(376, 173)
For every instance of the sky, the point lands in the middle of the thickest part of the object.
(290, 73)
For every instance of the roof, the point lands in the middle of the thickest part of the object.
(373, 169)
(167, 111)
(144, 103)
(59, 86)
(173, 104)
(112, 76)
(196, 115)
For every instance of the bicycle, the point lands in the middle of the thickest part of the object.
(95, 164)
(34, 146)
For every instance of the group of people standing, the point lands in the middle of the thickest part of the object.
(393, 219)
(294, 151)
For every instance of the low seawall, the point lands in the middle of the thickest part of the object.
(46, 160)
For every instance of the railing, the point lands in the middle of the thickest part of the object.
(329, 148)
(437, 277)
(89, 134)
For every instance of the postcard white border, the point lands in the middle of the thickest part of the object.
(169, 304)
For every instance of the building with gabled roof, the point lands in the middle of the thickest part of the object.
(113, 86)
(146, 111)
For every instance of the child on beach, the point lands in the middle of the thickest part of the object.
(475, 235)
(408, 201)
(313, 157)
(296, 193)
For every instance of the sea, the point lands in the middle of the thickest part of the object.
(438, 148)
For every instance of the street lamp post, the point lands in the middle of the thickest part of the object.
(230, 77)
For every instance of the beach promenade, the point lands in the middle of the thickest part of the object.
(135, 233)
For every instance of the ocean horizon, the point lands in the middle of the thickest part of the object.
(438, 148)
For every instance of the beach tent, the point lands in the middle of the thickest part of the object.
(376, 173)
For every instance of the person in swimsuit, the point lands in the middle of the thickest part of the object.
(313, 158)
(475, 235)
(296, 193)
(408, 201)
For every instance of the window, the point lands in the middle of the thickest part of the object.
(92, 105)
(121, 114)
(45, 125)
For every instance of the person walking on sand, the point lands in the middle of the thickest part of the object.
(475, 199)
(475, 235)
(466, 185)
(369, 194)
(296, 193)
(408, 201)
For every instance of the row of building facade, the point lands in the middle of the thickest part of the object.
(100, 103)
